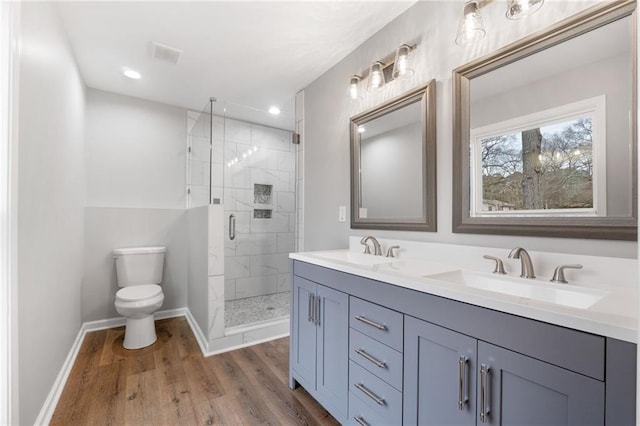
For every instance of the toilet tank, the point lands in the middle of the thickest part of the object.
(139, 265)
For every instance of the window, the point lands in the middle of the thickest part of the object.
(550, 163)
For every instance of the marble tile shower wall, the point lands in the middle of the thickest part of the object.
(263, 179)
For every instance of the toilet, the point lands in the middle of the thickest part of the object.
(139, 273)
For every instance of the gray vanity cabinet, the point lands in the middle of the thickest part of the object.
(518, 389)
(432, 351)
(320, 343)
(439, 375)
(451, 378)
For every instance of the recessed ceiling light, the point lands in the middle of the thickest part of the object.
(132, 74)
(274, 110)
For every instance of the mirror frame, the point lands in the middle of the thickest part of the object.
(606, 228)
(426, 95)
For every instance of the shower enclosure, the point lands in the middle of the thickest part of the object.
(246, 172)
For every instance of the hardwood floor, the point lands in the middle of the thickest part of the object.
(171, 383)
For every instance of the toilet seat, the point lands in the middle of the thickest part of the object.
(138, 293)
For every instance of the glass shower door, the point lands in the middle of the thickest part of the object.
(259, 171)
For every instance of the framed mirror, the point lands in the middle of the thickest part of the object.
(393, 163)
(545, 132)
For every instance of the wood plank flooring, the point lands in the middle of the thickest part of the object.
(171, 383)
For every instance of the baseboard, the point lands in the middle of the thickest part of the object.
(46, 413)
(244, 345)
(44, 417)
(197, 332)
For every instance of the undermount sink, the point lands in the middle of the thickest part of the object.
(559, 294)
(355, 258)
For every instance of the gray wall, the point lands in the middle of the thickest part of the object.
(135, 152)
(390, 161)
(135, 162)
(328, 108)
(50, 207)
(109, 228)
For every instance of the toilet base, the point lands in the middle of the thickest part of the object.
(140, 332)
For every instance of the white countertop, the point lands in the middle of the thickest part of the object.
(615, 315)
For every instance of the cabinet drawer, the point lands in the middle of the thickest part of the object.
(379, 359)
(361, 411)
(376, 321)
(381, 398)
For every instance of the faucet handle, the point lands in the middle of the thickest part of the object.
(499, 269)
(558, 274)
(390, 251)
(363, 241)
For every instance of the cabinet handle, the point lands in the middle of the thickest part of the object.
(462, 388)
(370, 358)
(360, 421)
(485, 404)
(376, 398)
(310, 308)
(371, 323)
(318, 312)
(232, 226)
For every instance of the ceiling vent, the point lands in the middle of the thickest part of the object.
(165, 53)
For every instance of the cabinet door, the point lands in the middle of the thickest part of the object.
(333, 348)
(303, 334)
(519, 390)
(439, 375)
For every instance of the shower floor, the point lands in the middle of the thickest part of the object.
(256, 309)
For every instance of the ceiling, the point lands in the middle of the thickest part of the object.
(251, 54)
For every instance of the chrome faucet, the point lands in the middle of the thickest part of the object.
(525, 260)
(377, 250)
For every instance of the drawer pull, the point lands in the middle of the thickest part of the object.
(462, 388)
(368, 357)
(485, 405)
(378, 400)
(371, 323)
(360, 421)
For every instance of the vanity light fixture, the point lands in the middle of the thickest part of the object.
(354, 90)
(401, 67)
(519, 9)
(376, 77)
(394, 66)
(471, 28)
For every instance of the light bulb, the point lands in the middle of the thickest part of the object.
(376, 77)
(519, 9)
(353, 87)
(401, 64)
(471, 28)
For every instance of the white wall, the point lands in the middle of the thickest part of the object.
(51, 200)
(197, 232)
(135, 162)
(328, 108)
(135, 152)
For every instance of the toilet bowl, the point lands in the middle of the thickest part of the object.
(138, 304)
(139, 271)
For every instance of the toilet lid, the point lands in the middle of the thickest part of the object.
(138, 292)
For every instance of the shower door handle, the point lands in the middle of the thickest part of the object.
(232, 226)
